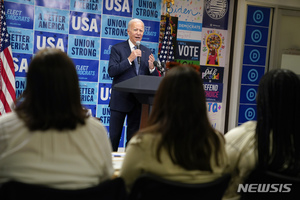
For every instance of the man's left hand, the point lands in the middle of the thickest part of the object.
(150, 61)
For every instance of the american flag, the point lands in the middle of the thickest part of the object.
(167, 49)
(7, 70)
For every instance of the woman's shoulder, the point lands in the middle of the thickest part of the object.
(94, 125)
(241, 137)
(94, 121)
(8, 116)
(144, 139)
(245, 129)
(10, 120)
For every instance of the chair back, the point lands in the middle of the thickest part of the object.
(269, 185)
(149, 187)
(109, 190)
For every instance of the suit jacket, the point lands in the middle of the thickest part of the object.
(120, 69)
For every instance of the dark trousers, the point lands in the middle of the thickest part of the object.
(116, 123)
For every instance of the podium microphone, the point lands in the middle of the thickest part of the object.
(156, 64)
(159, 67)
(138, 43)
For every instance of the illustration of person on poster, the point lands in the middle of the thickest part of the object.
(213, 42)
(213, 47)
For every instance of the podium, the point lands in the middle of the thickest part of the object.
(143, 87)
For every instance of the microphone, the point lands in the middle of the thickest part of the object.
(138, 43)
(163, 67)
(157, 65)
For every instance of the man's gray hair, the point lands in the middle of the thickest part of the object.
(134, 20)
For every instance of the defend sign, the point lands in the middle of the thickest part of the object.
(213, 92)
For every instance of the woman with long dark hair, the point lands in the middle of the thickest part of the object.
(272, 143)
(50, 139)
(179, 142)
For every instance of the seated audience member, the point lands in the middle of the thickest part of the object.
(49, 139)
(273, 141)
(179, 142)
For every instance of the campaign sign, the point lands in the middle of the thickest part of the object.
(53, 40)
(51, 20)
(85, 24)
(214, 47)
(21, 63)
(212, 74)
(248, 94)
(87, 70)
(151, 32)
(94, 6)
(19, 15)
(106, 45)
(84, 47)
(103, 73)
(192, 36)
(190, 11)
(258, 16)
(104, 93)
(91, 109)
(119, 7)
(188, 50)
(60, 4)
(145, 9)
(213, 92)
(114, 27)
(189, 26)
(20, 83)
(88, 92)
(252, 75)
(21, 40)
(255, 55)
(29, 2)
(215, 14)
(103, 113)
(247, 113)
(256, 36)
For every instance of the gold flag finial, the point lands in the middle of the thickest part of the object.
(168, 2)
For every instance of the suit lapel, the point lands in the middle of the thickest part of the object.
(127, 48)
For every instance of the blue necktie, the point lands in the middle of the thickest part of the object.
(137, 66)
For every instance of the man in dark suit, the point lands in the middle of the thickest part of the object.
(123, 65)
